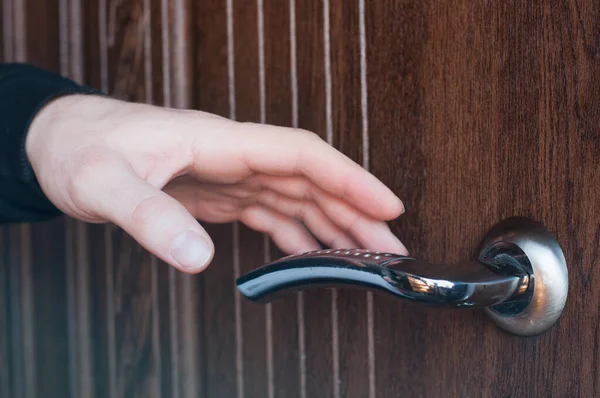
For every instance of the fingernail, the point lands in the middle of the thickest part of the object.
(190, 250)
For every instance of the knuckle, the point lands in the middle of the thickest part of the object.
(309, 135)
(145, 209)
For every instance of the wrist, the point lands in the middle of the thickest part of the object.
(43, 123)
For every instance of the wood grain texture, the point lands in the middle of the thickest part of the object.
(49, 296)
(91, 56)
(251, 243)
(7, 31)
(77, 248)
(211, 93)
(89, 248)
(486, 121)
(98, 295)
(136, 361)
(312, 116)
(476, 112)
(39, 269)
(279, 111)
(168, 70)
(125, 31)
(13, 374)
(41, 45)
(347, 137)
(137, 358)
(5, 318)
(19, 360)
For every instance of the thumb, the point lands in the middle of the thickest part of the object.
(156, 221)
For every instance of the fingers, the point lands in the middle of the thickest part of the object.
(327, 232)
(289, 235)
(154, 219)
(344, 228)
(291, 153)
(331, 220)
(287, 152)
(367, 231)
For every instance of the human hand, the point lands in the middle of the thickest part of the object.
(153, 171)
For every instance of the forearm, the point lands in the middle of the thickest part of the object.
(24, 90)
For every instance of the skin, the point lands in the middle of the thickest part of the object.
(155, 171)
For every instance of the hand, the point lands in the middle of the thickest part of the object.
(153, 171)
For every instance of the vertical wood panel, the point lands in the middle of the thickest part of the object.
(185, 306)
(278, 111)
(12, 330)
(312, 116)
(89, 245)
(451, 124)
(98, 262)
(48, 297)
(81, 358)
(5, 319)
(212, 94)
(335, 348)
(137, 362)
(42, 32)
(126, 51)
(148, 370)
(169, 338)
(518, 101)
(92, 44)
(475, 113)
(393, 76)
(159, 39)
(19, 31)
(108, 317)
(575, 36)
(347, 137)
(43, 290)
(18, 360)
(86, 67)
(219, 362)
(366, 163)
(267, 244)
(248, 101)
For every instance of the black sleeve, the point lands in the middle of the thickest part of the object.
(24, 90)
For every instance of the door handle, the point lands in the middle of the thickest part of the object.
(520, 277)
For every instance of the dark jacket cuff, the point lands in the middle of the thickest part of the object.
(24, 91)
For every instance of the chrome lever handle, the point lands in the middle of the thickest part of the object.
(520, 277)
(472, 284)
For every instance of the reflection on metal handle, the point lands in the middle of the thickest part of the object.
(520, 277)
(472, 284)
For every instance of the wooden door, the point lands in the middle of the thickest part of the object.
(471, 111)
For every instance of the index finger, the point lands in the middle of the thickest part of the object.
(285, 151)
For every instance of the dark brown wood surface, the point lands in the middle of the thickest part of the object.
(471, 111)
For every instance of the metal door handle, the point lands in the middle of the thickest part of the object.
(520, 277)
